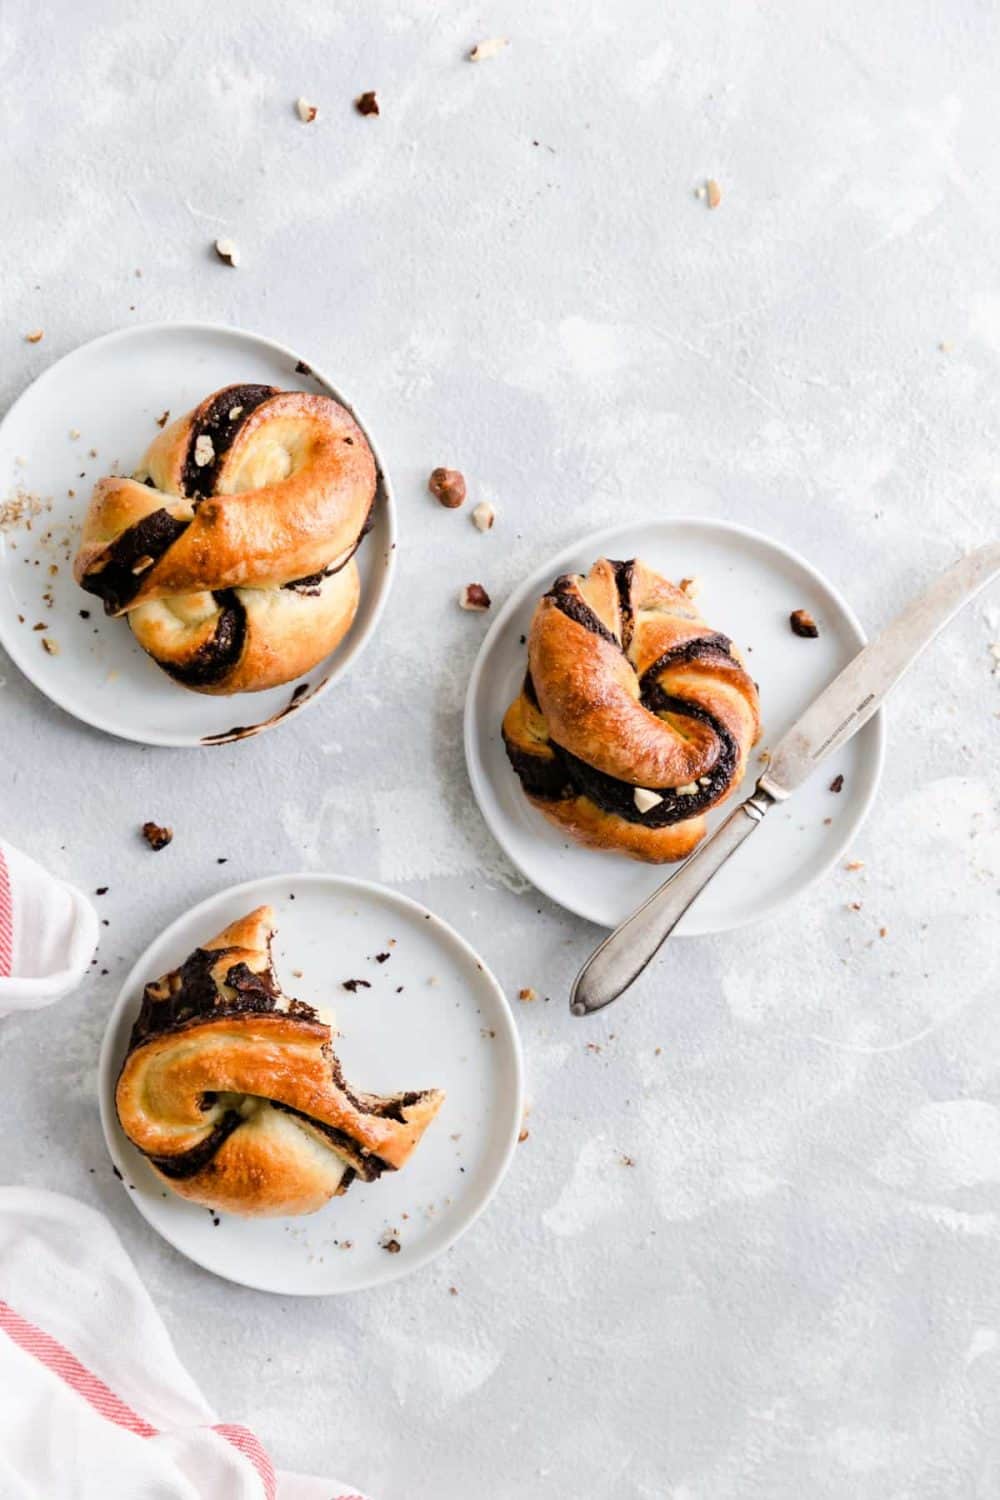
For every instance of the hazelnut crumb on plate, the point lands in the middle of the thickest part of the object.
(474, 597)
(803, 624)
(155, 836)
(448, 487)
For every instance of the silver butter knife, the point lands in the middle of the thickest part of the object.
(837, 714)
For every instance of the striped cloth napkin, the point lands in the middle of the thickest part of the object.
(48, 934)
(96, 1405)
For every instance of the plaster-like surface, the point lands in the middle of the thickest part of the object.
(794, 1291)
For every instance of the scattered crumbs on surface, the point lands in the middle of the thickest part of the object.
(296, 973)
(306, 112)
(382, 958)
(473, 597)
(592, 1047)
(355, 984)
(713, 193)
(527, 994)
(657, 1051)
(35, 336)
(390, 1242)
(837, 784)
(399, 989)
(523, 1134)
(102, 890)
(453, 1291)
(367, 103)
(487, 1033)
(883, 932)
(163, 418)
(626, 1160)
(20, 509)
(301, 368)
(854, 906)
(50, 646)
(855, 864)
(827, 822)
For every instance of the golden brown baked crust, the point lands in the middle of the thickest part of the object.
(626, 689)
(230, 549)
(234, 1094)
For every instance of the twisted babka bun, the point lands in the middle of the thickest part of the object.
(634, 717)
(231, 547)
(235, 1096)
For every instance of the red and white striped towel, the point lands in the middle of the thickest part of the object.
(48, 933)
(96, 1404)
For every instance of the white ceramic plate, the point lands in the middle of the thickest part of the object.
(110, 392)
(450, 1028)
(749, 585)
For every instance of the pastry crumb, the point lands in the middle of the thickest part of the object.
(367, 103)
(837, 784)
(527, 994)
(35, 336)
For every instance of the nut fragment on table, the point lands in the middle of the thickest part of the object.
(474, 596)
(367, 103)
(527, 994)
(713, 193)
(35, 336)
(155, 836)
(306, 112)
(492, 47)
(228, 252)
(484, 515)
(447, 486)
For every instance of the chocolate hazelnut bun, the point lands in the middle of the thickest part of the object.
(235, 1096)
(634, 718)
(231, 548)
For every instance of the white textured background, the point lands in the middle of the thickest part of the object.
(795, 1291)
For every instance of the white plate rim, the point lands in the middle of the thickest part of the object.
(341, 659)
(107, 1071)
(597, 542)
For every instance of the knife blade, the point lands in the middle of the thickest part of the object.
(828, 723)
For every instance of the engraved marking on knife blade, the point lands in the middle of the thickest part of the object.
(821, 751)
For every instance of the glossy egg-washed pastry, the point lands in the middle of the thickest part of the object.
(231, 548)
(235, 1096)
(635, 718)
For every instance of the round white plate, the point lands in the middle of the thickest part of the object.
(111, 392)
(749, 586)
(449, 1028)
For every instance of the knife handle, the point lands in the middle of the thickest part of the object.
(622, 957)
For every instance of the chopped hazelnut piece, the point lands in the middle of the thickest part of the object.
(713, 193)
(367, 103)
(492, 47)
(484, 515)
(155, 836)
(527, 994)
(644, 799)
(447, 486)
(475, 597)
(306, 112)
(35, 336)
(204, 452)
(803, 624)
(837, 784)
(228, 251)
(690, 789)
(49, 645)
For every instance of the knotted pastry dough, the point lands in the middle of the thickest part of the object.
(231, 547)
(234, 1094)
(634, 717)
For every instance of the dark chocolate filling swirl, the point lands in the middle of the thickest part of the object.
(130, 557)
(215, 423)
(563, 775)
(195, 997)
(214, 659)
